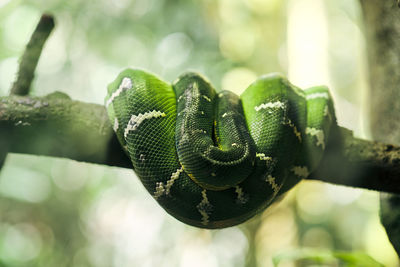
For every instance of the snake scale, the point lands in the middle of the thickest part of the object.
(214, 160)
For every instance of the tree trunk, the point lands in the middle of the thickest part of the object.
(382, 25)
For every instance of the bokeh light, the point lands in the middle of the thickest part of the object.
(57, 212)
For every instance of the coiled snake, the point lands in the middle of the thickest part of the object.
(214, 160)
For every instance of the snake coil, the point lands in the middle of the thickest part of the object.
(214, 160)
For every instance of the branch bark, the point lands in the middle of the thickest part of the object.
(58, 126)
(360, 163)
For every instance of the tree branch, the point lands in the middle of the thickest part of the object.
(59, 127)
(360, 163)
(31, 56)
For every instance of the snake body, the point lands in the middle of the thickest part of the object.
(214, 160)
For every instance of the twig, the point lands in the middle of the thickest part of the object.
(31, 56)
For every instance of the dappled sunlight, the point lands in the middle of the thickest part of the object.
(173, 50)
(20, 243)
(377, 243)
(277, 232)
(238, 79)
(8, 68)
(307, 36)
(314, 205)
(23, 183)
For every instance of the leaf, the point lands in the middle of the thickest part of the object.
(348, 259)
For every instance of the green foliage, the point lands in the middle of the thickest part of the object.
(307, 257)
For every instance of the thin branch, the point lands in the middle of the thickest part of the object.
(31, 56)
(60, 127)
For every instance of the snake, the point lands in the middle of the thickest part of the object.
(213, 159)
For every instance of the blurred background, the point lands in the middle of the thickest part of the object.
(56, 212)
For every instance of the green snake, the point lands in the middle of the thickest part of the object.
(214, 159)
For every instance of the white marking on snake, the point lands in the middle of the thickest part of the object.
(171, 180)
(319, 134)
(194, 93)
(241, 199)
(184, 138)
(136, 120)
(162, 189)
(277, 104)
(223, 115)
(142, 158)
(274, 185)
(220, 95)
(213, 174)
(195, 87)
(318, 95)
(116, 125)
(180, 97)
(202, 112)
(125, 85)
(196, 131)
(204, 207)
(326, 111)
(177, 80)
(299, 92)
(263, 157)
(206, 98)
(159, 190)
(301, 171)
(296, 132)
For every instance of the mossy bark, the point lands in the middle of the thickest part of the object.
(59, 127)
